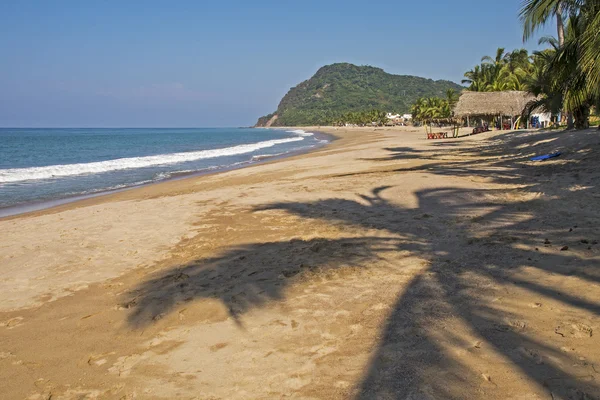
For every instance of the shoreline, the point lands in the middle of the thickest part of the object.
(128, 211)
(25, 209)
(363, 268)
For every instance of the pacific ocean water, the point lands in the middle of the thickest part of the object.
(44, 165)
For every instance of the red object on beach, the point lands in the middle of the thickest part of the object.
(480, 129)
(437, 135)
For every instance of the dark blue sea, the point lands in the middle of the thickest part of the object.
(45, 165)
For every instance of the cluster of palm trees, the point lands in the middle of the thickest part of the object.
(565, 77)
(362, 118)
(505, 71)
(427, 110)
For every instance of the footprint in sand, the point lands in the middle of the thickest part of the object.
(125, 364)
(530, 354)
(12, 323)
(511, 325)
(576, 330)
(216, 347)
(99, 359)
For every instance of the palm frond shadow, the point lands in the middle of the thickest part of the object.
(409, 360)
(248, 276)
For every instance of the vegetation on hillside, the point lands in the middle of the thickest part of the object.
(362, 118)
(565, 77)
(338, 90)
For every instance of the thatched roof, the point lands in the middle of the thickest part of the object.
(509, 103)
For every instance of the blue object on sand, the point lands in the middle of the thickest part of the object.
(545, 156)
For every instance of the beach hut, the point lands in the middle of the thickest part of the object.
(488, 105)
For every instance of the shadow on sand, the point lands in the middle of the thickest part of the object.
(409, 362)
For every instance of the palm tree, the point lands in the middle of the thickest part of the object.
(417, 109)
(496, 64)
(433, 109)
(498, 85)
(517, 59)
(451, 97)
(590, 49)
(504, 71)
(579, 96)
(475, 78)
(560, 77)
(535, 13)
(549, 97)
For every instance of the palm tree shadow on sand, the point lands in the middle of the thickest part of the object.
(248, 276)
(410, 362)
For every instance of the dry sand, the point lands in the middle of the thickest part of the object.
(383, 266)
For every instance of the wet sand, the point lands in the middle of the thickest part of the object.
(381, 266)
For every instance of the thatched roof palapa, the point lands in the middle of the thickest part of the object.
(509, 103)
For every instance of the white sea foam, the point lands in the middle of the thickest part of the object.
(301, 132)
(260, 157)
(53, 171)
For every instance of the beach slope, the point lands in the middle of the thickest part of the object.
(382, 266)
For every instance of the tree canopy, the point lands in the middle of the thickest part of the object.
(566, 76)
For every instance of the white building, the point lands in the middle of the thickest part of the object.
(545, 119)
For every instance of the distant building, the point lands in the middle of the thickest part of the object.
(397, 119)
(541, 120)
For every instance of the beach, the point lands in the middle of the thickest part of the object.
(381, 266)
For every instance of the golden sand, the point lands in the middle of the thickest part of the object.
(382, 266)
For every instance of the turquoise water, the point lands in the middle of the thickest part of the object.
(38, 165)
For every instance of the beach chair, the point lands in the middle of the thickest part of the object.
(437, 135)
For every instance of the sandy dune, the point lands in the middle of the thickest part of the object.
(382, 266)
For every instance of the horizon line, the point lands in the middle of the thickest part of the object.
(124, 127)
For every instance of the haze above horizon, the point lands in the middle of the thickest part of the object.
(215, 64)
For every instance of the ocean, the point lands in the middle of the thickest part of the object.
(42, 167)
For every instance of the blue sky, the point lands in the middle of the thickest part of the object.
(221, 63)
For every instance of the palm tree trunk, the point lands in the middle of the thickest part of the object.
(560, 28)
(560, 25)
(582, 120)
(570, 122)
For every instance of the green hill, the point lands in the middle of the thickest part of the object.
(341, 88)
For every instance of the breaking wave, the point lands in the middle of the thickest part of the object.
(301, 132)
(53, 171)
